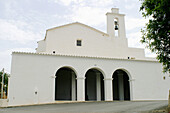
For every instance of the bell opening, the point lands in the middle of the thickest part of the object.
(116, 24)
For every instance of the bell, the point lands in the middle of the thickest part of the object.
(115, 22)
(116, 27)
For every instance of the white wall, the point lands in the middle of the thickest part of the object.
(62, 40)
(41, 46)
(34, 72)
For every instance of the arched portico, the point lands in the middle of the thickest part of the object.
(94, 85)
(65, 84)
(121, 85)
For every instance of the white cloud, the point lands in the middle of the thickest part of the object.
(88, 15)
(12, 31)
(94, 3)
(149, 53)
(22, 50)
(64, 2)
(91, 12)
(133, 23)
(8, 7)
(133, 26)
(134, 41)
(131, 6)
(100, 3)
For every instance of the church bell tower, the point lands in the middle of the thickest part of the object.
(115, 24)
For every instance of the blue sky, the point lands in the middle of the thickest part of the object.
(24, 22)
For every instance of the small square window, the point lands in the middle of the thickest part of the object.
(79, 43)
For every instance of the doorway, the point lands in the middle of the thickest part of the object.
(65, 84)
(94, 85)
(121, 87)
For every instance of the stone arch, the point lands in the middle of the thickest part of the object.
(128, 72)
(65, 83)
(121, 84)
(97, 68)
(94, 84)
(67, 66)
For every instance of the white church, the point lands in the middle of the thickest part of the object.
(76, 62)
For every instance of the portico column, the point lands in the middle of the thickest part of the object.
(108, 89)
(131, 82)
(121, 85)
(81, 89)
(98, 86)
(53, 78)
(73, 87)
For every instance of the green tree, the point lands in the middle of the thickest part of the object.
(156, 34)
(5, 81)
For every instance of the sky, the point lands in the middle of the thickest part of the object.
(24, 22)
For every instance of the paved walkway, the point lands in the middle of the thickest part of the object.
(90, 107)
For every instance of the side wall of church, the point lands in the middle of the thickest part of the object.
(32, 78)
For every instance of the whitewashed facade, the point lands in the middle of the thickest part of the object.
(79, 63)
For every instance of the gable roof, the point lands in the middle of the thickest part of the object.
(78, 24)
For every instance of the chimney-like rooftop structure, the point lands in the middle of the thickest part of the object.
(115, 10)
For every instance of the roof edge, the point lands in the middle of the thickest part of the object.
(80, 56)
(76, 23)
